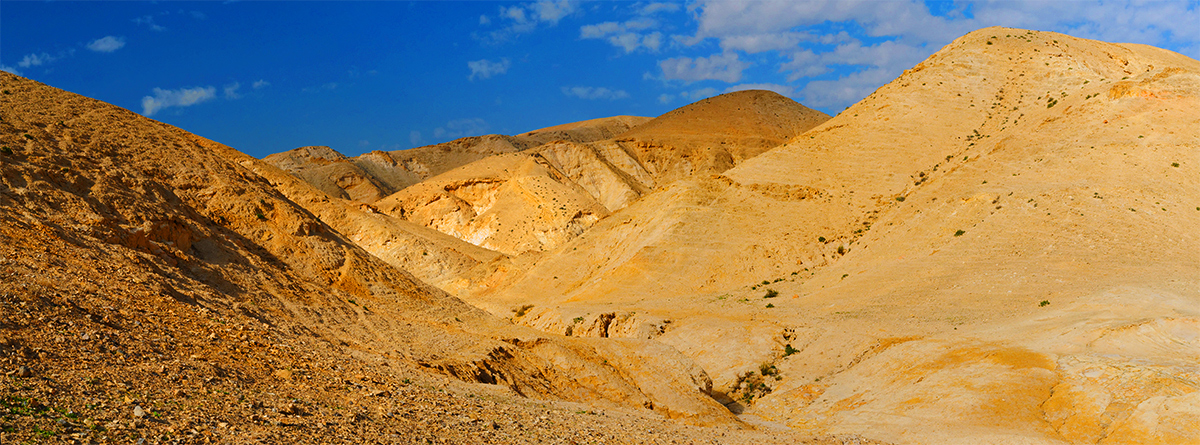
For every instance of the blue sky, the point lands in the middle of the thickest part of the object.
(265, 77)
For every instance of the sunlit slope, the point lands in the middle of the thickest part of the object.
(376, 174)
(912, 240)
(535, 200)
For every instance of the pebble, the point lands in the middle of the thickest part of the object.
(24, 372)
(138, 412)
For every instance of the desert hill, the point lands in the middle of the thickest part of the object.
(374, 175)
(995, 247)
(160, 285)
(585, 131)
(536, 200)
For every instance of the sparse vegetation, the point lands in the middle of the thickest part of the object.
(6, 150)
(771, 293)
(260, 215)
(28, 136)
(960, 232)
(770, 305)
(577, 320)
(900, 198)
(521, 311)
(821, 239)
(789, 350)
(1044, 303)
(1173, 164)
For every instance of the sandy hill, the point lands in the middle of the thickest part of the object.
(717, 133)
(996, 247)
(371, 176)
(536, 200)
(586, 131)
(331, 172)
(161, 286)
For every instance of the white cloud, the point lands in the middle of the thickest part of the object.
(230, 91)
(695, 95)
(659, 7)
(330, 86)
(483, 69)
(183, 97)
(595, 93)
(415, 138)
(625, 35)
(106, 44)
(845, 90)
(461, 128)
(260, 84)
(525, 18)
(781, 89)
(148, 20)
(725, 67)
(665, 98)
(36, 60)
(553, 11)
(9, 69)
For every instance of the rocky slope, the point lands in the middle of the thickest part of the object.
(374, 175)
(995, 247)
(538, 199)
(162, 286)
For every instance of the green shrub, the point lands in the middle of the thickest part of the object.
(1044, 303)
(771, 293)
(521, 311)
(821, 239)
(959, 233)
(770, 305)
(1173, 164)
(6, 150)
(900, 198)
(789, 350)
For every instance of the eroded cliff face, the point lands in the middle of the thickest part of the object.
(513, 204)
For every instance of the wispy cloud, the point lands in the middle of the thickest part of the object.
(148, 21)
(231, 91)
(10, 69)
(627, 35)
(414, 137)
(461, 128)
(484, 69)
(260, 84)
(525, 18)
(328, 86)
(593, 93)
(183, 97)
(106, 44)
(37, 59)
(725, 67)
